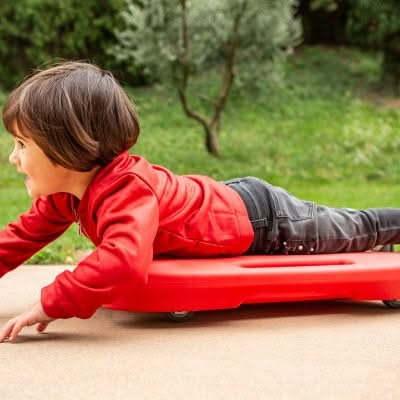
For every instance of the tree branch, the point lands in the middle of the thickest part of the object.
(186, 70)
(229, 73)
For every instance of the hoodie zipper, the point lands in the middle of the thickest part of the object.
(78, 221)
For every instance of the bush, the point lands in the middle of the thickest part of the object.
(377, 24)
(34, 32)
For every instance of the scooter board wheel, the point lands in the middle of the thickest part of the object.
(392, 303)
(180, 316)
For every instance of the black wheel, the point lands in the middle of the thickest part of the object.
(392, 303)
(180, 316)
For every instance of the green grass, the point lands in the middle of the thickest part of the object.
(318, 134)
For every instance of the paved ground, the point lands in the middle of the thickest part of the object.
(310, 350)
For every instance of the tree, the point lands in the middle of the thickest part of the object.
(377, 24)
(176, 40)
(34, 32)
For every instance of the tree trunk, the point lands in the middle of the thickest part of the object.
(391, 64)
(322, 26)
(212, 143)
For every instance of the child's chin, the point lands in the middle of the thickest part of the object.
(30, 190)
(32, 194)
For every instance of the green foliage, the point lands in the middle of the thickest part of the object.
(152, 35)
(174, 41)
(313, 128)
(377, 24)
(371, 22)
(34, 32)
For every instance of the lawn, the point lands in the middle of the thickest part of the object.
(325, 134)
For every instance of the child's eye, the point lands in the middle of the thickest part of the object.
(20, 144)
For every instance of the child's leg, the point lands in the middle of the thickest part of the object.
(344, 230)
(285, 224)
(302, 226)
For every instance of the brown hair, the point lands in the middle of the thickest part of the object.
(76, 113)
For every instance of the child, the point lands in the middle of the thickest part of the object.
(72, 126)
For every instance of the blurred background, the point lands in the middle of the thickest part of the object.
(304, 94)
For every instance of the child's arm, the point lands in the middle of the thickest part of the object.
(127, 216)
(47, 219)
(127, 226)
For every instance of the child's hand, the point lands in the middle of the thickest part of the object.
(35, 315)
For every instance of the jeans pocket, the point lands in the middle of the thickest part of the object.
(289, 206)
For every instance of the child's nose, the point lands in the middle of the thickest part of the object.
(13, 159)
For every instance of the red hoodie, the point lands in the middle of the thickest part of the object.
(131, 211)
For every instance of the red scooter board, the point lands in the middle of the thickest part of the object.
(221, 283)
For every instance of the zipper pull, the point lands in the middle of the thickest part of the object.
(77, 220)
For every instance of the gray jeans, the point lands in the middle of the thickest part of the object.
(285, 224)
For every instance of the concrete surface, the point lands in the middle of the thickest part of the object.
(310, 350)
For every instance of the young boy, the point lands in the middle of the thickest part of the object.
(72, 126)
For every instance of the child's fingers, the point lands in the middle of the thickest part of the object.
(16, 330)
(42, 326)
(13, 328)
(5, 331)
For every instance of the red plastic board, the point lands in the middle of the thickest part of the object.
(221, 283)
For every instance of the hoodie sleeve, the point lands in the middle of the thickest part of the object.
(47, 219)
(127, 223)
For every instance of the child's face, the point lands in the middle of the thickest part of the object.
(43, 177)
